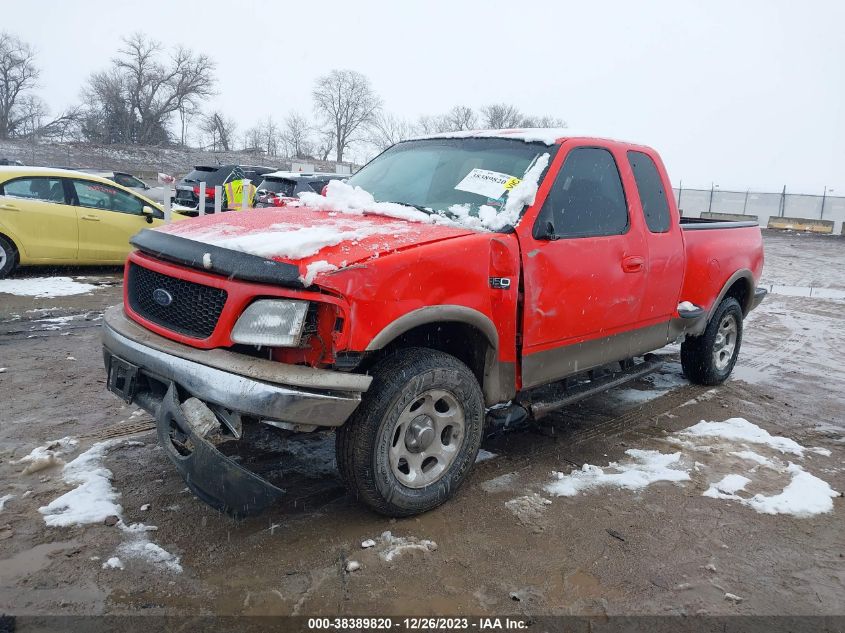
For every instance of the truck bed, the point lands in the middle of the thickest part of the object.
(698, 224)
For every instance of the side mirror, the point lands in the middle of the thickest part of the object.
(148, 213)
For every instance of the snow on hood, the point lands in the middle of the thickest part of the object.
(303, 235)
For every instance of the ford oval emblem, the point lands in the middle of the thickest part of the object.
(162, 297)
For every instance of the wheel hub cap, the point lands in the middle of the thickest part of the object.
(420, 434)
(725, 342)
(426, 438)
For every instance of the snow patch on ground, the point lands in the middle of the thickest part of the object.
(805, 496)
(643, 469)
(741, 430)
(528, 508)
(42, 287)
(4, 499)
(113, 563)
(720, 445)
(93, 499)
(390, 547)
(727, 487)
(48, 455)
(145, 550)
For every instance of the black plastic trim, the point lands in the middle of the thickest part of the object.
(229, 263)
(703, 224)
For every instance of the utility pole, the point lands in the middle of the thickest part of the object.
(710, 206)
(745, 204)
(783, 202)
(824, 195)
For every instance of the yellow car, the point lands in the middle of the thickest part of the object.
(59, 216)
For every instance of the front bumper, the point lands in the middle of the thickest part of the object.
(159, 375)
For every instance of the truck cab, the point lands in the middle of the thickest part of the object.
(455, 285)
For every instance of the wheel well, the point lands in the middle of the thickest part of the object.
(15, 247)
(463, 341)
(741, 291)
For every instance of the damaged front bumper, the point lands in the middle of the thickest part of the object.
(159, 375)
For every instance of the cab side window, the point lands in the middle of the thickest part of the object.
(40, 188)
(586, 200)
(95, 195)
(652, 192)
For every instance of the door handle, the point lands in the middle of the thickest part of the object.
(633, 264)
(90, 218)
(9, 207)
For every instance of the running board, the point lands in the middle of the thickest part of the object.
(554, 399)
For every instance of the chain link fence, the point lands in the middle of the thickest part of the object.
(762, 206)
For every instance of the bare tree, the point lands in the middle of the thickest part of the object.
(325, 144)
(269, 136)
(387, 129)
(18, 76)
(460, 118)
(220, 129)
(346, 102)
(501, 115)
(543, 121)
(432, 124)
(296, 134)
(134, 101)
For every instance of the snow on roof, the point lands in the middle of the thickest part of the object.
(547, 135)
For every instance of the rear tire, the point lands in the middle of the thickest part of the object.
(710, 358)
(413, 440)
(8, 257)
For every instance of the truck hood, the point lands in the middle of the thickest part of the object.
(323, 240)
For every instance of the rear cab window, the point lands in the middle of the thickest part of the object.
(652, 192)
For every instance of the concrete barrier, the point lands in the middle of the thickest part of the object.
(801, 224)
(733, 217)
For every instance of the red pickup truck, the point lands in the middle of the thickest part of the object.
(456, 285)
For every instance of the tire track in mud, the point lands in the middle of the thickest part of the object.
(529, 450)
(119, 430)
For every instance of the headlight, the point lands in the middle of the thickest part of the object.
(277, 323)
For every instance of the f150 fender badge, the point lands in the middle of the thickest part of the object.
(162, 297)
(500, 283)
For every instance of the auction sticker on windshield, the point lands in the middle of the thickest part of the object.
(491, 184)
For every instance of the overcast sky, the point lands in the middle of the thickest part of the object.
(743, 94)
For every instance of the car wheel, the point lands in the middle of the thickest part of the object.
(412, 441)
(710, 358)
(8, 257)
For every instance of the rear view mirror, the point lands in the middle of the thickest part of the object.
(149, 213)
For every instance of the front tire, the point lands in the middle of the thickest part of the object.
(8, 257)
(411, 443)
(710, 358)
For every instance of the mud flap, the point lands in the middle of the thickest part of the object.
(213, 477)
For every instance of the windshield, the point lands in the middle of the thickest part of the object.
(443, 173)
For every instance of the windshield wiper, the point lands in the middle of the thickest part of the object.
(418, 207)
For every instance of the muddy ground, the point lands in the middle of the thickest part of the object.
(504, 544)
